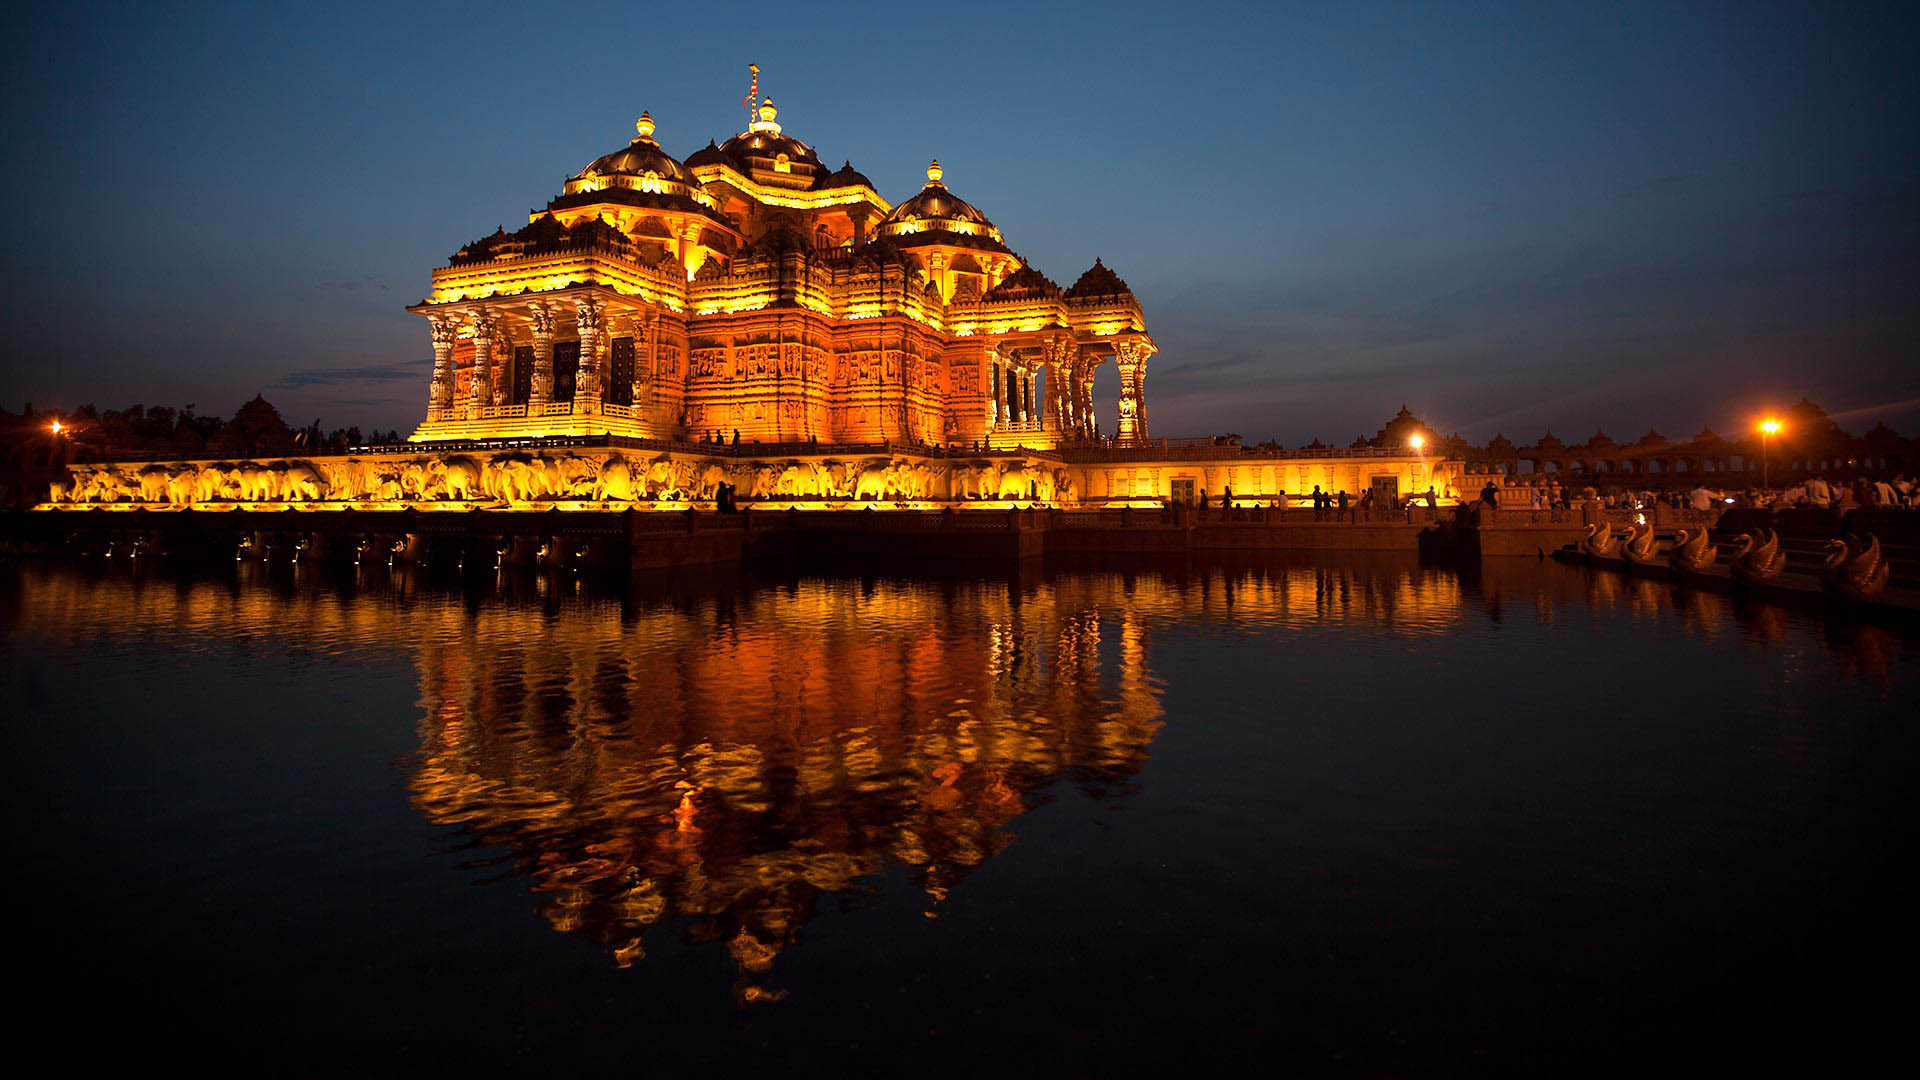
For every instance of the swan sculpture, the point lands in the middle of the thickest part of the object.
(1600, 542)
(1692, 551)
(1855, 570)
(1758, 556)
(1641, 547)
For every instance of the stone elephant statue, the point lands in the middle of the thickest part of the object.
(618, 482)
(662, 479)
(255, 481)
(711, 476)
(152, 482)
(299, 481)
(455, 478)
(514, 478)
(873, 481)
(181, 484)
(1015, 483)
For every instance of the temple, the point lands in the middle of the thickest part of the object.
(752, 289)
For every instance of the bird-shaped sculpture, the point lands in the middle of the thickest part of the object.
(1641, 547)
(1600, 541)
(1692, 550)
(1855, 569)
(1758, 556)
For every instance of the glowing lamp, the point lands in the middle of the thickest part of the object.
(1417, 441)
(1770, 426)
(56, 429)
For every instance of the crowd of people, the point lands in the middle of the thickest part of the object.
(1816, 492)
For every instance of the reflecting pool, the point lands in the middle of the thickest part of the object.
(1350, 815)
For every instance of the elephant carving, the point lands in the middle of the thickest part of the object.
(153, 483)
(255, 482)
(660, 479)
(872, 482)
(514, 478)
(299, 481)
(616, 482)
(711, 477)
(1064, 490)
(455, 478)
(181, 484)
(1015, 483)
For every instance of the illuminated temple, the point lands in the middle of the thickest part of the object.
(750, 288)
(852, 353)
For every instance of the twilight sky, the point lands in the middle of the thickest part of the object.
(1509, 217)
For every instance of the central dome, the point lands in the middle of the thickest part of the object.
(766, 155)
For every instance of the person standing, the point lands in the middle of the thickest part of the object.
(1818, 492)
(1343, 505)
(1490, 496)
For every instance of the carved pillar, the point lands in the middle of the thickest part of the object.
(593, 345)
(503, 374)
(542, 318)
(1132, 358)
(480, 389)
(690, 256)
(446, 331)
(993, 394)
(647, 332)
(1087, 413)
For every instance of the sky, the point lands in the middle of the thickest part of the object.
(1510, 218)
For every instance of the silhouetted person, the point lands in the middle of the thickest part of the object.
(1432, 499)
(736, 436)
(1343, 505)
(1319, 503)
(1490, 496)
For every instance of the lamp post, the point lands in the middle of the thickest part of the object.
(1768, 428)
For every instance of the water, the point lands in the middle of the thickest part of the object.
(1343, 816)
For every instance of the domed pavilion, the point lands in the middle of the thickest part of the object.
(752, 288)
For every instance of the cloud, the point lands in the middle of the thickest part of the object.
(403, 371)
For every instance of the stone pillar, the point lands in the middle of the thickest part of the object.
(647, 333)
(480, 389)
(542, 318)
(446, 331)
(502, 375)
(1132, 358)
(1086, 400)
(593, 345)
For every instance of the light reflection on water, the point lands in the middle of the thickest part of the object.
(718, 759)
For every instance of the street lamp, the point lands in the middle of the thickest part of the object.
(1417, 441)
(1768, 428)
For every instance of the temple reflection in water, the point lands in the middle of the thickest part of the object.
(719, 759)
(696, 763)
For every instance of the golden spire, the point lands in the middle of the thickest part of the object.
(644, 126)
(933, 172)
(766, 122)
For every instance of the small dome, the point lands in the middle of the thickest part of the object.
(935, 206)
(1025, 283)
(639, 157)
(845, 176)
(1100, 281)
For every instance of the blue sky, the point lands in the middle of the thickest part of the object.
(1509, 217)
